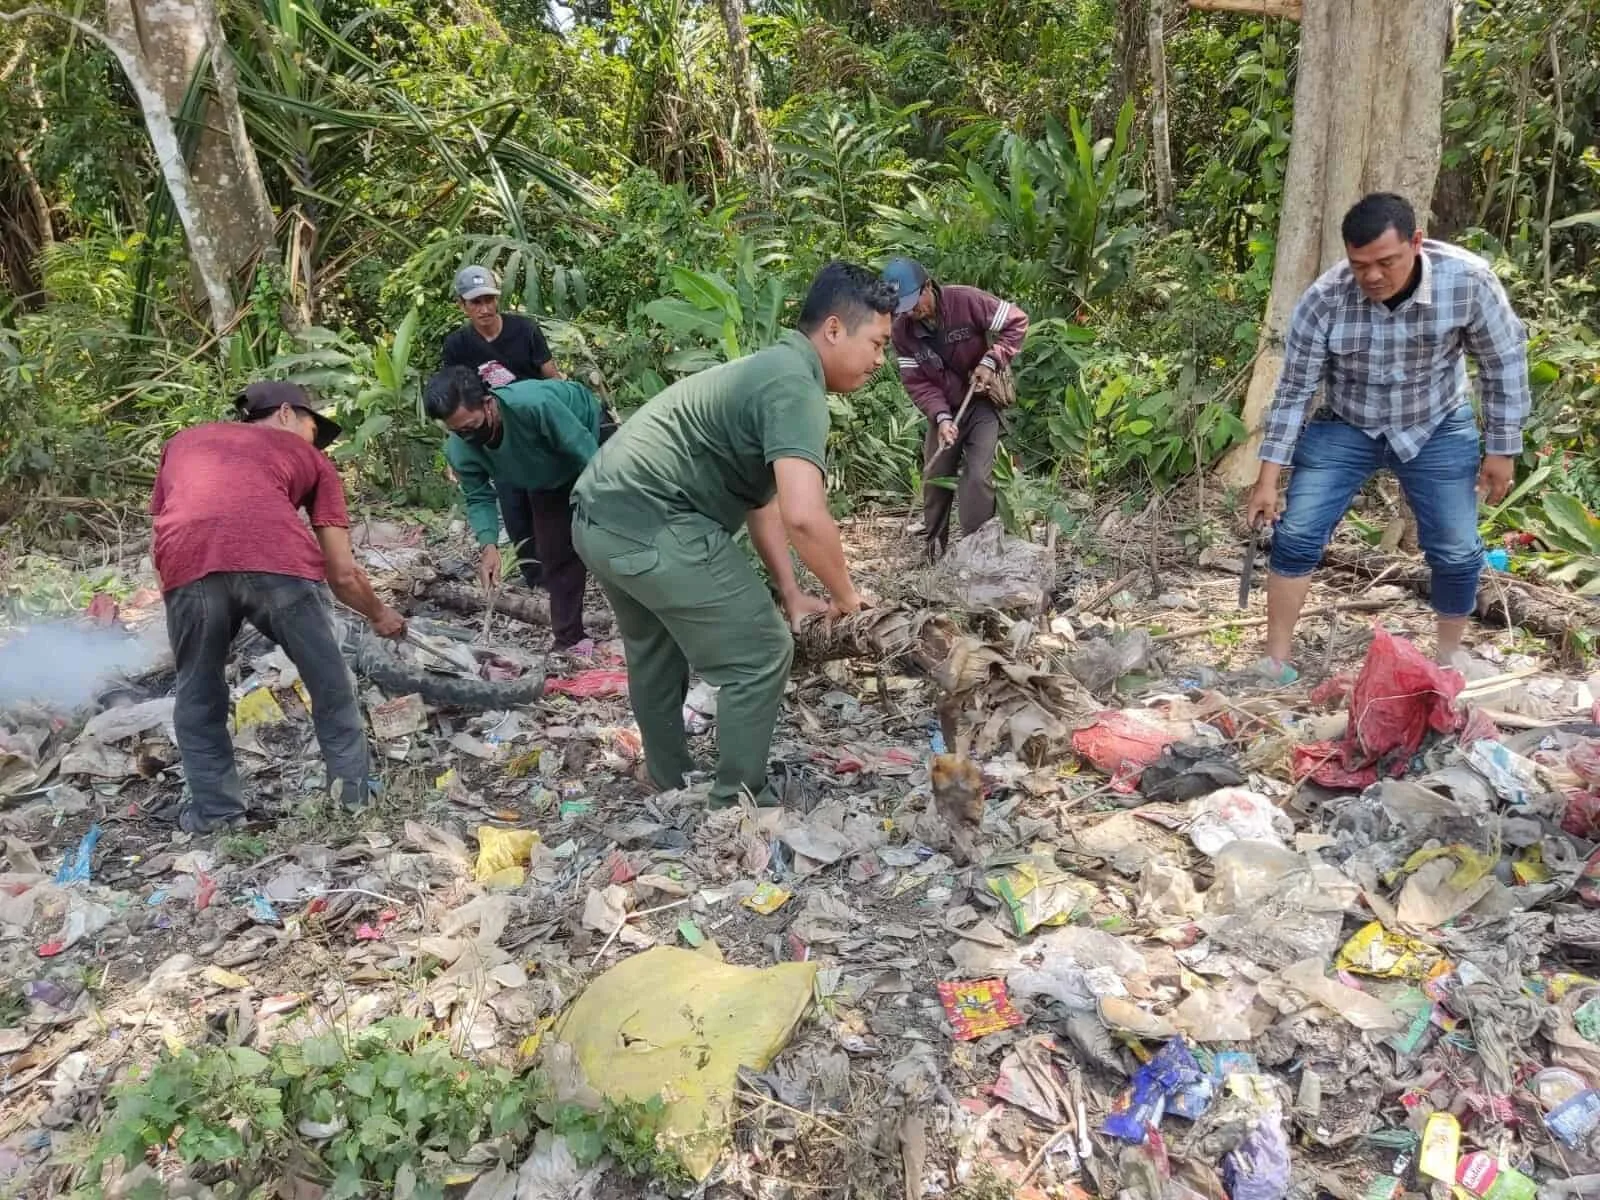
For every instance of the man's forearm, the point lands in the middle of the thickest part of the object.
(355, 591)
(771, 541)
(817, 542)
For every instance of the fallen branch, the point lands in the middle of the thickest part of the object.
(529, 609)
(1007, 701)
(1343, 606)
(1502, 599)
(1288, 9)
(1110, 590)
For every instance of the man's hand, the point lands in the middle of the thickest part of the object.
(1264, 506)
(389, 624)
(843, 606)
(800, 605)
(982, 377)
(1495, 476)
(489, 568)
(949, 433)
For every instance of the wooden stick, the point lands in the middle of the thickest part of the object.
(1110, 590)
(965, 400)
(1289, 9)
(1246, 622)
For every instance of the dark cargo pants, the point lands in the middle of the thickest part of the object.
(687, 599)
(203, 618)
(973, 453)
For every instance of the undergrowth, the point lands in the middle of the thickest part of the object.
(387, 1110)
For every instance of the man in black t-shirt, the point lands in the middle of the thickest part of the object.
(503, 348)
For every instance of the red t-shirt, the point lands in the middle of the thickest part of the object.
(227, 498)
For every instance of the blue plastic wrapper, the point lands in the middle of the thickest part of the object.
(1137, 1111)
(261, 908)
(76, 868)
(1259, 1168)
(1171, 1081)
(1575, 1120)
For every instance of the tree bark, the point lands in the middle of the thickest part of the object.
(1128, 57)
(1367, 108)
(1160, 144)
(747, 105)
(220, 199)
(531, 610)
(1289, 9)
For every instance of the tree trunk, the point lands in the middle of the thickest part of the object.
(530, 610)
(1160, 144)
(174, 38)
(220, 199)
(1367, 106)
(747, 105)
(1128, 56)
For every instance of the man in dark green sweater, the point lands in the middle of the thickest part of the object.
(536, 435)
(741, 445)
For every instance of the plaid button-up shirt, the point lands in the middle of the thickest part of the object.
(1397, 374)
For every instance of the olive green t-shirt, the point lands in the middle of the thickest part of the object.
(706, 445)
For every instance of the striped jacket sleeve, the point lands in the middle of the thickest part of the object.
(1006, 326)
(924, 385)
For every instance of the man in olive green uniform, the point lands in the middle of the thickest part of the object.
(534, 436)
(657, 508)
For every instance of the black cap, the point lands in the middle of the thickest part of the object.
(266, 396)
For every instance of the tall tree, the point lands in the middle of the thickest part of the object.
(164, 47)
(1367, 105)
(747, 104)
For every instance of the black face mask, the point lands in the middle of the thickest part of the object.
(486, 434)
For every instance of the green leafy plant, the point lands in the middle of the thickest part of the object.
(390, 1109)
(712, 320)
(1573, 533)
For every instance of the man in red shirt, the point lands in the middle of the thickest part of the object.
(230, 546)
(950, 338)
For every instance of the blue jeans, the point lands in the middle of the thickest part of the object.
(1334, 460)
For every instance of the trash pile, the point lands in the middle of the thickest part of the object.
(1220, 940)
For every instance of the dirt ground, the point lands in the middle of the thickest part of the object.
(313, 918)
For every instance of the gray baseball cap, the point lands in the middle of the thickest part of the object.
(472, 282)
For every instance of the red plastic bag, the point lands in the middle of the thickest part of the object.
(1123, 744)
(1399, 696)
(1582, 818)
(1584, 759)
(592, 684)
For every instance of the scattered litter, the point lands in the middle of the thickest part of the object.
(768, 898)
(398, 718)
(503, 855)
(977, 1007)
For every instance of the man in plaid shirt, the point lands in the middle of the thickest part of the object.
(1383, 335)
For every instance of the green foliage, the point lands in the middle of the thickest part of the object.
(388, 1107)
(711, 320)
(838, 166)
(1573, 534)
(1045, 228)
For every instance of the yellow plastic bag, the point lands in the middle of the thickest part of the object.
(1374, 950)
(257, 707)
(503, 855)
(672, 1023)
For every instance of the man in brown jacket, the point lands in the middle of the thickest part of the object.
(948, 338)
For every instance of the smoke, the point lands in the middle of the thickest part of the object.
(65, 665)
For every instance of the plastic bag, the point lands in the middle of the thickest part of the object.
(673, 1023)
(597, 683)
(1123, 743)
(503, 855)
(1398, 697)
(1234, 814)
